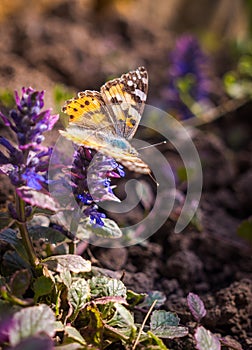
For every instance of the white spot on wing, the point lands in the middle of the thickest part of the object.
(140, 94)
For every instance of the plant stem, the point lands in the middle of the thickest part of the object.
(20, 206)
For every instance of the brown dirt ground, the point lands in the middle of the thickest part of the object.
(80, 44)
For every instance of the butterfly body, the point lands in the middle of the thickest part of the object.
(106, 120)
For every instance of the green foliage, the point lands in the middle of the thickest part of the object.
(245, 230)
(6, 98)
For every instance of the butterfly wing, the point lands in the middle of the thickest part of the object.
(125, 99)
(94, 125)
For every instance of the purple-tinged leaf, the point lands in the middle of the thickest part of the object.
(205, 340)
(230, 343)
(196, 306)
(32, 321)
(38, 199)
(74, 263)
(38, 343)
(6, 323)
(19, 282)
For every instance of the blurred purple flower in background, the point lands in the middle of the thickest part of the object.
(189, 78)
(26, 163)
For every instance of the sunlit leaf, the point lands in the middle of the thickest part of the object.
(162, 318)
(86, 230)
(196, 306)
(157, 341)
(72, 333)
(104, 286)
(164, 324)
(122, 317)
(134, 298)
(78, 294)
(31, 321)
(206, 340)
(116, 288)
(36, 198)
(72, 346)
(74, 263)
(171, 332)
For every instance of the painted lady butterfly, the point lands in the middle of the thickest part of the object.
(106, 120)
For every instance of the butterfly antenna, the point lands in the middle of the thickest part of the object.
(153, 179)
(154, 145)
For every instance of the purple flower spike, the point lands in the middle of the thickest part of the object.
(189, 67)
(27, 164)
(91, 175)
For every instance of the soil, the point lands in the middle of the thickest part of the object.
(81, 44)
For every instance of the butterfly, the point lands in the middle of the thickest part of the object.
(106, 120)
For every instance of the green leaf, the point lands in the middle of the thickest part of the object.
(36, 198)
(165, 325)
(5, 221)
(162, 318)
(122, 317)
(87, 231)
(151, 297)
(245, 229)
(206, 340)
(134, 298)
(78, 294)
(10, 236)
(104, 286)
(157, 341)
(19, 282)
(116, 288)
(32, 321)
(72, 346)
(73, 334)
(42, 286)
(171, 332)
(66, 278)
(74, 263)
(49, 234)
(144, 192)
(13, 262)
